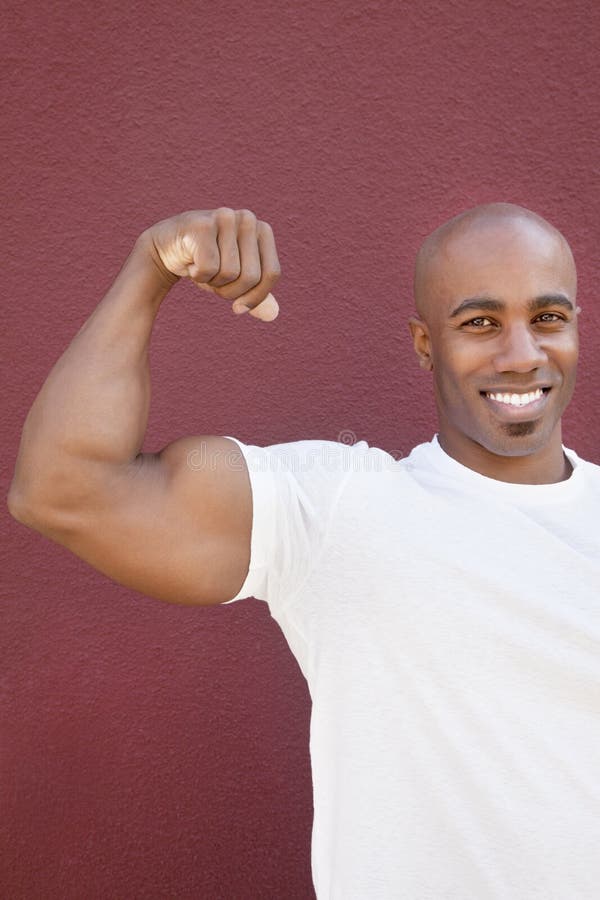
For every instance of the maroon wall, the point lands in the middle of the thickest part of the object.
(151, 751)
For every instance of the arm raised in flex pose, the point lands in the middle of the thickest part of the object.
(151, 521)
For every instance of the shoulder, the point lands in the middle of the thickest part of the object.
(587, 467)
(306, 456)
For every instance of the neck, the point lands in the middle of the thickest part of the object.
(545, 466)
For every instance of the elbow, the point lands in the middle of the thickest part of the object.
(31, 510)
(57, 514)
(20, 506)
(15, 502)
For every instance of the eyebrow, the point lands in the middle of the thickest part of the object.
(491, 304)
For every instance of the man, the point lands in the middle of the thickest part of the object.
(444, 608)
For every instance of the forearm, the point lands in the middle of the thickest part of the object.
(92, 411)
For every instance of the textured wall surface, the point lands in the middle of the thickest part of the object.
(152, 751)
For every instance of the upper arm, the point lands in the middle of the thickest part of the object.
(175, 525)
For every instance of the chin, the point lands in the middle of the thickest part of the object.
(518, 439)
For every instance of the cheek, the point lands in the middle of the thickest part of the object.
(454, 366)
(572, 353)
(569, 367)
(565, 356)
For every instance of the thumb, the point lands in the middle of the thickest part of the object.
(266, 311)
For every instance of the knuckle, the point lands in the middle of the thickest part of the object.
(204, 274)
(272, 274)
(250, 277)
(225, 215)
(265, 228)
(206, 269)
(202, 226)
(228, 274)
(194, 218)
(246, 217)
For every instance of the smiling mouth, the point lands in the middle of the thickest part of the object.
(515, 399)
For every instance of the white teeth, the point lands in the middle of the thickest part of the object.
(516, 399)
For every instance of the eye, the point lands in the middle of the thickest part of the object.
(552, 321)
(478, 322)
(549, 318)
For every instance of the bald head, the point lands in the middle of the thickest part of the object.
(475, 237)
(495, 289)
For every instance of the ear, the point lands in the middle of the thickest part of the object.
(421, 342)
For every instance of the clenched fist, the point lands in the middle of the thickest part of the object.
(229, 252)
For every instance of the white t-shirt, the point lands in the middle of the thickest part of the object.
(448, 626)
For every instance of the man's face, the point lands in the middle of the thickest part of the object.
(501, 334)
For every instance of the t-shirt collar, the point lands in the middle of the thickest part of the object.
(560, 490)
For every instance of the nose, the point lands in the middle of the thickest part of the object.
(519, 350)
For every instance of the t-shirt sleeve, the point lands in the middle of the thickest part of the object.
(295, 489)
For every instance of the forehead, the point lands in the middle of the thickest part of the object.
(513, 259)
